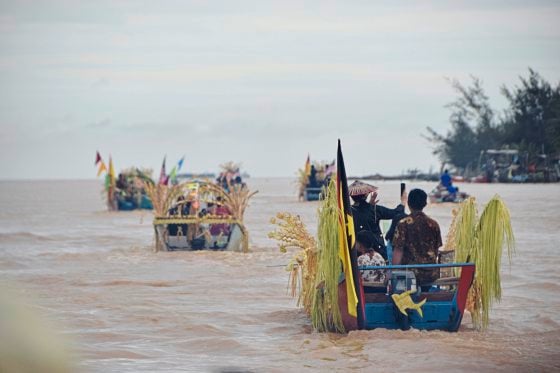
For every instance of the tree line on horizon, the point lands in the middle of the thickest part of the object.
(530, 123)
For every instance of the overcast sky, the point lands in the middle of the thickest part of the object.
(258, 82)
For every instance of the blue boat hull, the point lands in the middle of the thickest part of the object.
(124, 205)
(313, 194)
(443, 310)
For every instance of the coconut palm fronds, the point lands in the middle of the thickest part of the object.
(494, 232)
(325, 314)
(481, 240)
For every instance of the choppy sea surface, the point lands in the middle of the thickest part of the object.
(125, 308)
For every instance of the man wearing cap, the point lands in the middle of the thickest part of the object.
(367, 215)
(417, 240)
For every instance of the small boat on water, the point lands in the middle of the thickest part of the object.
(441, 308)
(333, 291)
(198, 215)
(127, 191)
(441, 194)
(313, 178)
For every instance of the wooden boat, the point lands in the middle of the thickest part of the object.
(443, 307)
(199, 215)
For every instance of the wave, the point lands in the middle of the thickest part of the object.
(157, 284)
(28, 236)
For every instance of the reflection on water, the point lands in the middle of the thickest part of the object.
(130, 309)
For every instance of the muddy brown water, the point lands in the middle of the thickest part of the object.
(127, 309)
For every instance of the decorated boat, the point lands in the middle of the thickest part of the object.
(197, 215)
(313, 178)
(127, 191)
(330, 286)
(400, 303)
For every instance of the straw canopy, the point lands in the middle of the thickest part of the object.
(359, 188)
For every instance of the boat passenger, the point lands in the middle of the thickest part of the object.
(417, 240)
(368, 214)
(369, 257)
(312, 177)
(222, 211)
(447, 183)
(121, 182)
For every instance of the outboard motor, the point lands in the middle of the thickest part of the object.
(400, 282)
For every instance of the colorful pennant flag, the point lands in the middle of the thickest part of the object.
(347, 251)
(102, 168)
(97, 158)
(163, 179)
(308, 166)
(173, 175)
(180, 163)
(111, 172)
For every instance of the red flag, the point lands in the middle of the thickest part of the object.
(97, 158)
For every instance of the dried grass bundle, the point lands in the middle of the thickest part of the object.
(230, 167)
(162, 196)
(292, 233)
(236, 201)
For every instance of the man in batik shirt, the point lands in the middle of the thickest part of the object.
(417, 239)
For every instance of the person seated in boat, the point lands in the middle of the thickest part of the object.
(417, 240)
(369, 257)
(367, 215)
(201, 237)
(221, 211)
(447, 182)
(238, 182)
(177, 208)
(121, 182)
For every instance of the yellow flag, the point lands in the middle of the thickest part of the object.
(111, 171)
(102, 168)
(346, 239)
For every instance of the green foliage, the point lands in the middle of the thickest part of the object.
(533, 119)
(473, 127)
(325, 313)
(531, 122)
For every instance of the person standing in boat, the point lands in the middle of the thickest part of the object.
(312, 177)
(367, 215)
(417, 240)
